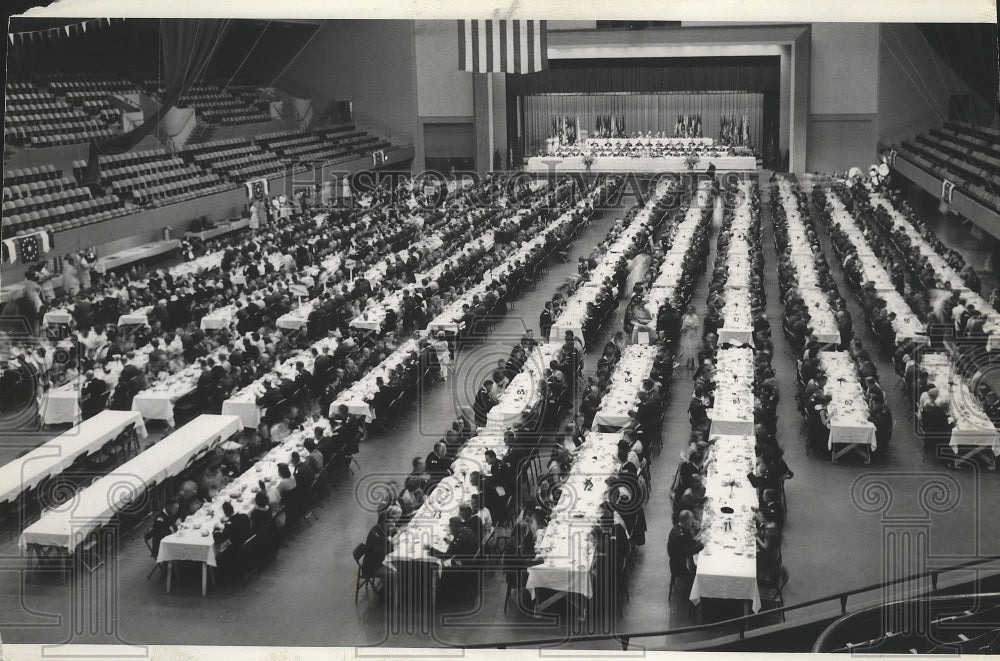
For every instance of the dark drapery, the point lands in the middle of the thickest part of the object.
(187, 46)
(677, 74)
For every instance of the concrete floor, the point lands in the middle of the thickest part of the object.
(838, 536)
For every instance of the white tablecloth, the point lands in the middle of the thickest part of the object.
(523, 392)
(429, 524)
(848, 408)
(60, 316)
(194, 540)
(972, 427)
(727, 566)
(157, 401)
(129, 255)
(737, 321)
(244, 403)
(95, 505)
(358, 397)
(732, 413)
(626, 381)
(566, 545)
(138, 317)
(62, 405)
(58, 454)
(640, 164)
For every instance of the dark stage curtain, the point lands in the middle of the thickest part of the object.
(187, 47)
(679, 74)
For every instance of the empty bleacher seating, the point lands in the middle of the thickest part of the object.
(964, 153)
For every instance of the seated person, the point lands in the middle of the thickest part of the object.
(462, 542)
(378, 544)
(188, 499)
(438, 464)
(264, 526)
(164, 524)
(682, 546)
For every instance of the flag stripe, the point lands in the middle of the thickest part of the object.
(543, 45)
(488, 29)
(529, 63)
(489, 46)
(481, 25)
(461, 46)
(517, 46)
(504, 50)
(475, 45)
(497, 46)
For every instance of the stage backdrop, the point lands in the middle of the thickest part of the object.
(643, 112)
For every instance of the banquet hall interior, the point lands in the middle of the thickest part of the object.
(574, 334)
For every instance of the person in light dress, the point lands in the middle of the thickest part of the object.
(690, 342)
(443, 352)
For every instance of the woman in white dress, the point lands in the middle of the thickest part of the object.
(690, 341)
(444, 354)
(71, 282)
(86, 261)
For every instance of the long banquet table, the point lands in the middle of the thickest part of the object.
(359, 396)
(635, 365)
(524, 391)
(194, 541)
(61, 405)
(55, 456)
(566, 546)
(95, 506)
(848, 411)
(566, 164)
(727, 565)
(973, 432)
(732, 412)
(244, 402)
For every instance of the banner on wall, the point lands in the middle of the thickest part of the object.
(947, 187)
(257, 189)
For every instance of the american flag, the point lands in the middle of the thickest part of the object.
(502, 46)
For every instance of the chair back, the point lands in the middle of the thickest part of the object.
(358, 554)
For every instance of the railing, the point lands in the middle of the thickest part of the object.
(624, 638)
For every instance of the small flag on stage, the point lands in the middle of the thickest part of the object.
(502, 46)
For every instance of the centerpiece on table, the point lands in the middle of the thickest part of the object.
(588, 160)
(692, 160)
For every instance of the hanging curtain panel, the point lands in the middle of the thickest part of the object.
(654, 113)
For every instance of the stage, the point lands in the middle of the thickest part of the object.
(570, 164)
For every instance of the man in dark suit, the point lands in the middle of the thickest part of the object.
(682, 546)
(92, 396)
(545, 320)
(463, 542)
(235, 527)
(484, 402)
(498, 487)
(164, 524)
(437, 464)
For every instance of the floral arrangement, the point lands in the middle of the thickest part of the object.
(588, 160)
(691, 160)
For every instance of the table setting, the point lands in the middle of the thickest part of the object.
(567, 546)
(635, 365)
(727, 565)
(848, 408)
(732, 412)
